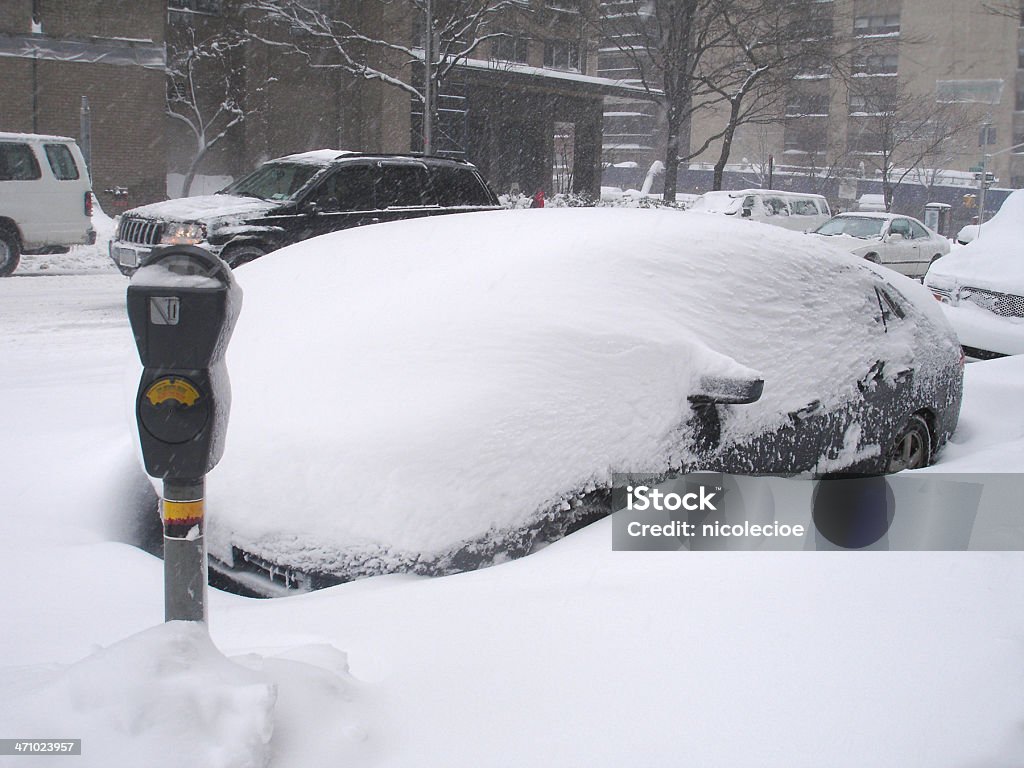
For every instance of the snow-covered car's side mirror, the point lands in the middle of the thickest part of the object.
(732, 390)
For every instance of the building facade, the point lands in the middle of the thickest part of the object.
(906, 66)
(97, 64)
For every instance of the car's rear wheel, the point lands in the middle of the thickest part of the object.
(872, 257)
(912, 447)
(240, 254)
(10, 252)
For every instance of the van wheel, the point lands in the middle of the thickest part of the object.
(10, 252)
(240, 254)
(935, 258)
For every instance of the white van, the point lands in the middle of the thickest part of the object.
(792, 210)
(45, 197)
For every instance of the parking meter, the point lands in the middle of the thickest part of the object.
(182, 304)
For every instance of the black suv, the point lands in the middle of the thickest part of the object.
(300, 196)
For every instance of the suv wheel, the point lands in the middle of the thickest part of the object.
(240, 254)
(10, 252)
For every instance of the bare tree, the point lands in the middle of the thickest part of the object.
(665, 42)
(766, 44)
(904, 133)
(329, 39)
(692, 55)
(202, 90)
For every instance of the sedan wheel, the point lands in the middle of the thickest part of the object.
(912, 448)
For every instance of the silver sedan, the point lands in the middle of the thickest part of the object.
(899, 242)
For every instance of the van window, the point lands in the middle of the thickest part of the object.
(804, 207)
(61, 162)
(775, 206)
(18, 162)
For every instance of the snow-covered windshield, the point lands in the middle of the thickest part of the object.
(854, 226)
(274, 181)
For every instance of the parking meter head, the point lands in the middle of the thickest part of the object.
(182, 304)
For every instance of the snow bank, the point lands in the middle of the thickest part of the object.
(992, 261)
(168, 697)
(417, 385)
(165, 697)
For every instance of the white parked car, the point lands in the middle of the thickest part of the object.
(899, 242)
(981, 285)
(45, 197)
(790, 210)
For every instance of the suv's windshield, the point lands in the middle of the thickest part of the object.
(274, 181)
(853, 226)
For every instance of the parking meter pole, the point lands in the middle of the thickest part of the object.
(185, 565)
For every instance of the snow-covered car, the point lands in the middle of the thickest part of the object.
(981, 285)
(300, 196)
(799, 211)
(437, 394)
(899, 242)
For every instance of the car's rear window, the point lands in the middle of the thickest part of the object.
(458, 186)
(62, 163)
(18, 162)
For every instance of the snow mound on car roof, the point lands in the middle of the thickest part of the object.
(994, 259)
(418, 384)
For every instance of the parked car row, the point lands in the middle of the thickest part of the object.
(899, 242)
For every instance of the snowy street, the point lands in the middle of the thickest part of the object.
(575, 655)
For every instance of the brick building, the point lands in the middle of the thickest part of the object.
(110, 52)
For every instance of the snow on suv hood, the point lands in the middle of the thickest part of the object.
(204, 208)
(994, 261)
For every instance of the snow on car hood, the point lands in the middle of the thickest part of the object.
(204, 208)
(413, 385)
(995, 260)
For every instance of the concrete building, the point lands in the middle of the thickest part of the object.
(956, 52)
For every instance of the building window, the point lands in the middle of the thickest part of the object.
(807, 105)
(561, 54)
(876, 64)
(511, 48)
(877, 25)
(987, 136)
(211, 7)
(568, 6)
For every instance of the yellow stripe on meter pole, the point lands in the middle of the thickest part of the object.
(183, 511)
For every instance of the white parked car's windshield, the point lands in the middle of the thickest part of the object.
(274, 181)
(853, 226)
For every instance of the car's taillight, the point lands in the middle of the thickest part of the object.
(88, 204)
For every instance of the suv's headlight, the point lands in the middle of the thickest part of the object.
(944, 289)
(179, 233)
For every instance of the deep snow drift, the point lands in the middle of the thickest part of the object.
(573, 655)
